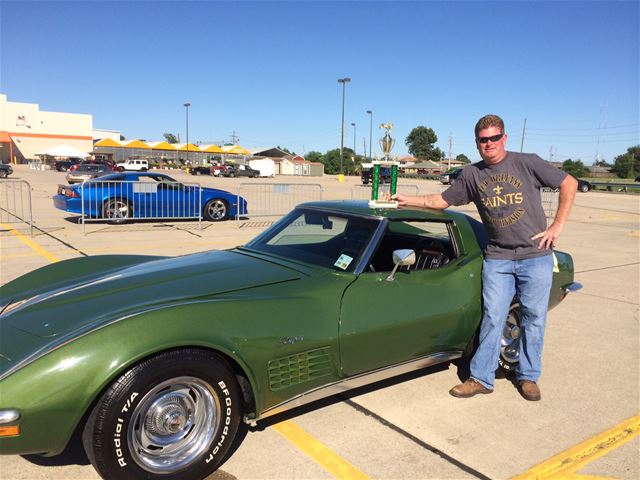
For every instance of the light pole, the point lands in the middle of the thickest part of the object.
(344, 82)
(370, 132)
(354, 141)
(186, 107)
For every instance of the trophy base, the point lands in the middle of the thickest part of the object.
(383, 204)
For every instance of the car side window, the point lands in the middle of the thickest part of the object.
(431, 241)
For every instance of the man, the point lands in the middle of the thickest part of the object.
(505, 187)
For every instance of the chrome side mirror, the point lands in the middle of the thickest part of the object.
(401, 258)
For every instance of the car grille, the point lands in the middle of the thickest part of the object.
(299, 368)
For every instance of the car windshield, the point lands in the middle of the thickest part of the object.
(323, 239)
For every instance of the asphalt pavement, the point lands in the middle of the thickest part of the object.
(410, 428)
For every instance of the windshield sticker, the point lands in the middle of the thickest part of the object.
(343, 262)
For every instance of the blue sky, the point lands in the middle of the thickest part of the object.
(268, 70)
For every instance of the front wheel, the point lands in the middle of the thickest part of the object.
(216, 210)
(3, 174)
(174, 416)
(584, 188)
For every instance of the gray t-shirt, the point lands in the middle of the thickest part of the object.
(507, 196)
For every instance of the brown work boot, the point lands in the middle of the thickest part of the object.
(468, 389)
(529, 390)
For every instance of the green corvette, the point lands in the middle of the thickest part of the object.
(155, 361)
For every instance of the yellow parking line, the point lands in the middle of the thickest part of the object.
(337, 466)
(31, 244)
(568, 462)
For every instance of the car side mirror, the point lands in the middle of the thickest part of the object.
(401, 258)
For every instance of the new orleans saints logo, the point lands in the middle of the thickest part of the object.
(501, 196)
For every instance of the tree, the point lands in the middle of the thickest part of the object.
(122, 137)
(575, 168)
(420, 144)
(170, 137)
(313, 157)
(286, 150)
(463, 158)
(627, 165)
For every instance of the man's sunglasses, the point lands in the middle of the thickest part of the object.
(493, 139)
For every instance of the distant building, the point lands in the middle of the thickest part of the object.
(26, 130)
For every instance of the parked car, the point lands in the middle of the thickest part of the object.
(212, 170)
(450, 176)
(135, 165)
(584, 186)
(5, 170)
(87, 171)
(65, 165)
(157, 360)
(128, 195)
(240, 171)
(367, 173)
(111, 165)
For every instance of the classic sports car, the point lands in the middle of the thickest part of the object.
(130, 195)
(157, 360)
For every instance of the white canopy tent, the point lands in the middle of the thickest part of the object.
(63, 151)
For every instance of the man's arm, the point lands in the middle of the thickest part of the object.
(549, 237)
(425, 201)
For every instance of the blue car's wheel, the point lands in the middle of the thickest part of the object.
(116, 210)
(174, 416)
(216, 210)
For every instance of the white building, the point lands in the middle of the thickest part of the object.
(26, 130)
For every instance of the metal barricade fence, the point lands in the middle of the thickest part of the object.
(549, 199)
(15, 203)
(273, 199)
(117, 201)
(363, 192)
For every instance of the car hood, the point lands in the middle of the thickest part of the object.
(79, 304)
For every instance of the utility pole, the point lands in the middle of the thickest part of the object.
(524, 128)
(550, 154)
(450, 145)
(234, 138)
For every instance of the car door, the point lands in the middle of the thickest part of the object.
(420, 312)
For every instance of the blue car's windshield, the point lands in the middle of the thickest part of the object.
(321, 238)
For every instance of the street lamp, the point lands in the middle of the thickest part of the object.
(186, 107)
(344, 82)
(370, 132)
(354, 141)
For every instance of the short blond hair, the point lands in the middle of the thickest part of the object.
(489, 121)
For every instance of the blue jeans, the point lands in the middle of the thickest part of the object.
(501, 280)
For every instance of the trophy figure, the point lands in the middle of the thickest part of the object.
(386, 143)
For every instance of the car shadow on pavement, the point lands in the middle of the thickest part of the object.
(349, 395)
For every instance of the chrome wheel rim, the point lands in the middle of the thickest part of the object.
(216, 210)
(510, 342)
(117, 209)
(173, 425)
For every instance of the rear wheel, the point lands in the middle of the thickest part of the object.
(510, 342)
(116, 211)
(174, 416)
(584, 188)
(216, 210)
(3, 174)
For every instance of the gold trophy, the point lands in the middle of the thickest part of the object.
(386, 143)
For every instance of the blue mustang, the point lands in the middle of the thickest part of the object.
(136, 195)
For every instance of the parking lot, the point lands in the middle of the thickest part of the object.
(587, 423)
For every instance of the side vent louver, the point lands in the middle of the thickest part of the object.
(299, 368)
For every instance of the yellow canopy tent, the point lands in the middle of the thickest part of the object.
(108, 142)
(237, 149)
(135, 144)
(161, 146)
(211, 148)
(183, 147)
